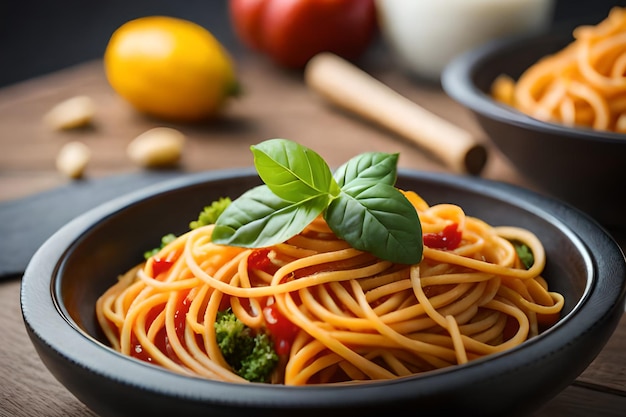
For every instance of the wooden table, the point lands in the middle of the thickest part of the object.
(276, 103)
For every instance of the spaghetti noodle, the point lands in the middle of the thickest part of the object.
(353, 317)
(583, 84)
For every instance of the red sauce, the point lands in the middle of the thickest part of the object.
(259, 259)
(283, 331)
(448, 239)
(160, 265)
(161, 340)
(137, 350)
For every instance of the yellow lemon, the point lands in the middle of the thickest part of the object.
(169, 68)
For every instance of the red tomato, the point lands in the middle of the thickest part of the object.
(160, 265)
(449, 238)
(282, 329)
(292, 31)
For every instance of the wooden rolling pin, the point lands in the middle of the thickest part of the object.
(347, 86)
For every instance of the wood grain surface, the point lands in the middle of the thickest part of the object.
(275, 103)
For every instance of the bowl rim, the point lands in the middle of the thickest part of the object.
(457, 82)
(43, 315)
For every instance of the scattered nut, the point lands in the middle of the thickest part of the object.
(72, 113)
(158, 147)
(73, 158)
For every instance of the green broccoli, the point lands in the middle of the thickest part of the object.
(208, 216)
(251, 354)
(210, 213)
(164, 241)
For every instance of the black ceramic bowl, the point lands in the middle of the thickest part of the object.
(581, 166)
(80, 261)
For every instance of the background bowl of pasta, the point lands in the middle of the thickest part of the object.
(561, 126)
(73, 269)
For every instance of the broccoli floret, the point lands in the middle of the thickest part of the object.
(165, 240)
(208, 216)
(251, 354)
(234, 338)
(261, 362)
(210, 213)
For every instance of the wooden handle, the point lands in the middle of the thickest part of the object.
(347, 86)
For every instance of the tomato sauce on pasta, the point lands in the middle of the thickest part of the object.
(336, 314)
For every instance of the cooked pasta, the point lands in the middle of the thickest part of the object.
(352, 317)
(584, 84)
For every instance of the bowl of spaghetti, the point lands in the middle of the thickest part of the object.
(553, 104)
(382, 289)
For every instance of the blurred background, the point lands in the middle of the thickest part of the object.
(38, 36)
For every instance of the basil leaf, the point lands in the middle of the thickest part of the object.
(524, 253)
(259, 218)
(372, 166)
(378, 219)
(360, 203)
(292, 171)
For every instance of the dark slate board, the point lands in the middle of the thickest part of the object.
(26, 223)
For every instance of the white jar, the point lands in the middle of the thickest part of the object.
(427, 34)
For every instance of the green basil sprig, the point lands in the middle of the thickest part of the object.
(359, 202)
